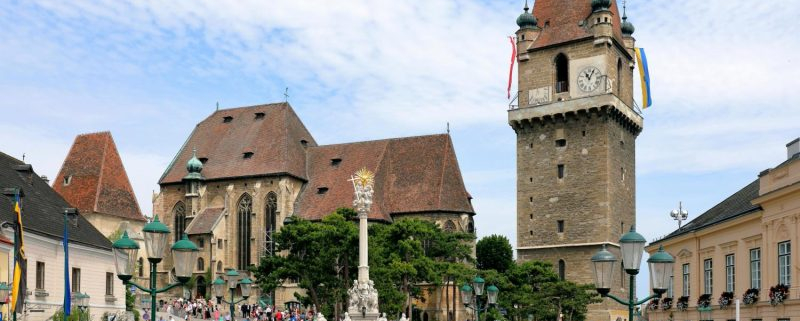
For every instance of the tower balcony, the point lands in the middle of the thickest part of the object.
(521, 116)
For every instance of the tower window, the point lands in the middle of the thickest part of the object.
(531, 178)
(562, 269)
(583, 132)
(227, 119)
(531, 216)
(259, 116)
(560, 224)
(247, 155)
(531, 232)
(622, 173)
(560, 170)
(561, 142)
(67, 180)
(562, 73)
(619, 77)
(531, 199)
(304, 142)
(523, 36)
(621, 144)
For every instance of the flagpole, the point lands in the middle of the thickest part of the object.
(17, 194)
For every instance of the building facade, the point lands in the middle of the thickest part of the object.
(243, 171)
(93, 180)
(740, 246)
(576, 127)
(91, 263)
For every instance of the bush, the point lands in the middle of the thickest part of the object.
(75, 315)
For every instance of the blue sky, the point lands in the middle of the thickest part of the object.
(724, 85)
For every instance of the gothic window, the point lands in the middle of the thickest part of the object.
(141, 267)
(179, 213)
(562, 267)
(245, 210)
(562, 73)
(201, 266)
(619, 77)
(271, 220)
(219, 267)
(449, 226)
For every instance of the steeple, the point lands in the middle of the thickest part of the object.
(627, 27)
(192, 180)
(526, 19)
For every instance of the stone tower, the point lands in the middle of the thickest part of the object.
(576, 127)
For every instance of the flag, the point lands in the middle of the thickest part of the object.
(20, 263)
(644, 74)
(511, 69)
(67, 290)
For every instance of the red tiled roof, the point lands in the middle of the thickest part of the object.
(204, 222)
(559, 21)
(98, 180)
(273, 139)
(412, 174)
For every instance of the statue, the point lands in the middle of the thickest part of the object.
(382, 317)
(403, 317)
(347, 317)
(320, 317)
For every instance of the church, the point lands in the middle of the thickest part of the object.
(576, 124)
(243, 171)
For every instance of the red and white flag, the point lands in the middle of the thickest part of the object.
(511, 68)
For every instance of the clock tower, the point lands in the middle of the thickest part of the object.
(576, 127)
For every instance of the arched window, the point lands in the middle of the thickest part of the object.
(449, 226)
(245, 210)
(270, 221)
(219, 267)
(562, 270)
(471, 226)
(201, 265)
(619, 77)
(141, 267)
(562, 73)
(179, 213)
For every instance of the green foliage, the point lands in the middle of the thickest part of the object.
(76, 314)
(536, 289)
(494, 252)
(136, 316)
(130, 300)
(322, 257)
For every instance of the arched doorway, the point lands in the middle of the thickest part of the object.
(201, 287)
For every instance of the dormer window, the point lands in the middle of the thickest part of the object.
(336, 161)
(67, 180)
(227, 119)
(203, 159)
(259, 116)
(304, 142)
(247, 155)
(322, 190)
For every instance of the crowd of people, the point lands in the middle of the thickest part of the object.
(208, 310)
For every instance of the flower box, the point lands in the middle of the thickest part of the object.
(725, 300)
(750, 296)
(778, 294)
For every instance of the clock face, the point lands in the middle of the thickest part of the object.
(589, 79)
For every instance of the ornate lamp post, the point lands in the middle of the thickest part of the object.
(82, 301)
(363, 296)
(232, 277)
(156, 234)
(468, 293)
(632, 245)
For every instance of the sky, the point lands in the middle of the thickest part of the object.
(723, 73)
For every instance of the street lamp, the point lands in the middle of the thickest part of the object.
(632, 245)
(475, 291)
(232, 277)
(156, 234)
(82, 301)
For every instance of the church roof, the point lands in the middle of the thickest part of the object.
(204, 222)
(412, 174)
(42, 207)
(559, 21)
(245, 141)
(96, 179)
(738, 204)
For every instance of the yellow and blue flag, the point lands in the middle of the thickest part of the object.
(644, 74)
(20, 263)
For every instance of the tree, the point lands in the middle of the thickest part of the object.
(494, 252)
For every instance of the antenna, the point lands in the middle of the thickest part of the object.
(448, 127)
(679, 215)
(217, 106)
(286, 95)
(23, 157)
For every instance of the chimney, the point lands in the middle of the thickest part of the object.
(45, 179)
(793, 148)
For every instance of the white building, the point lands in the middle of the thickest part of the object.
(91, 264)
